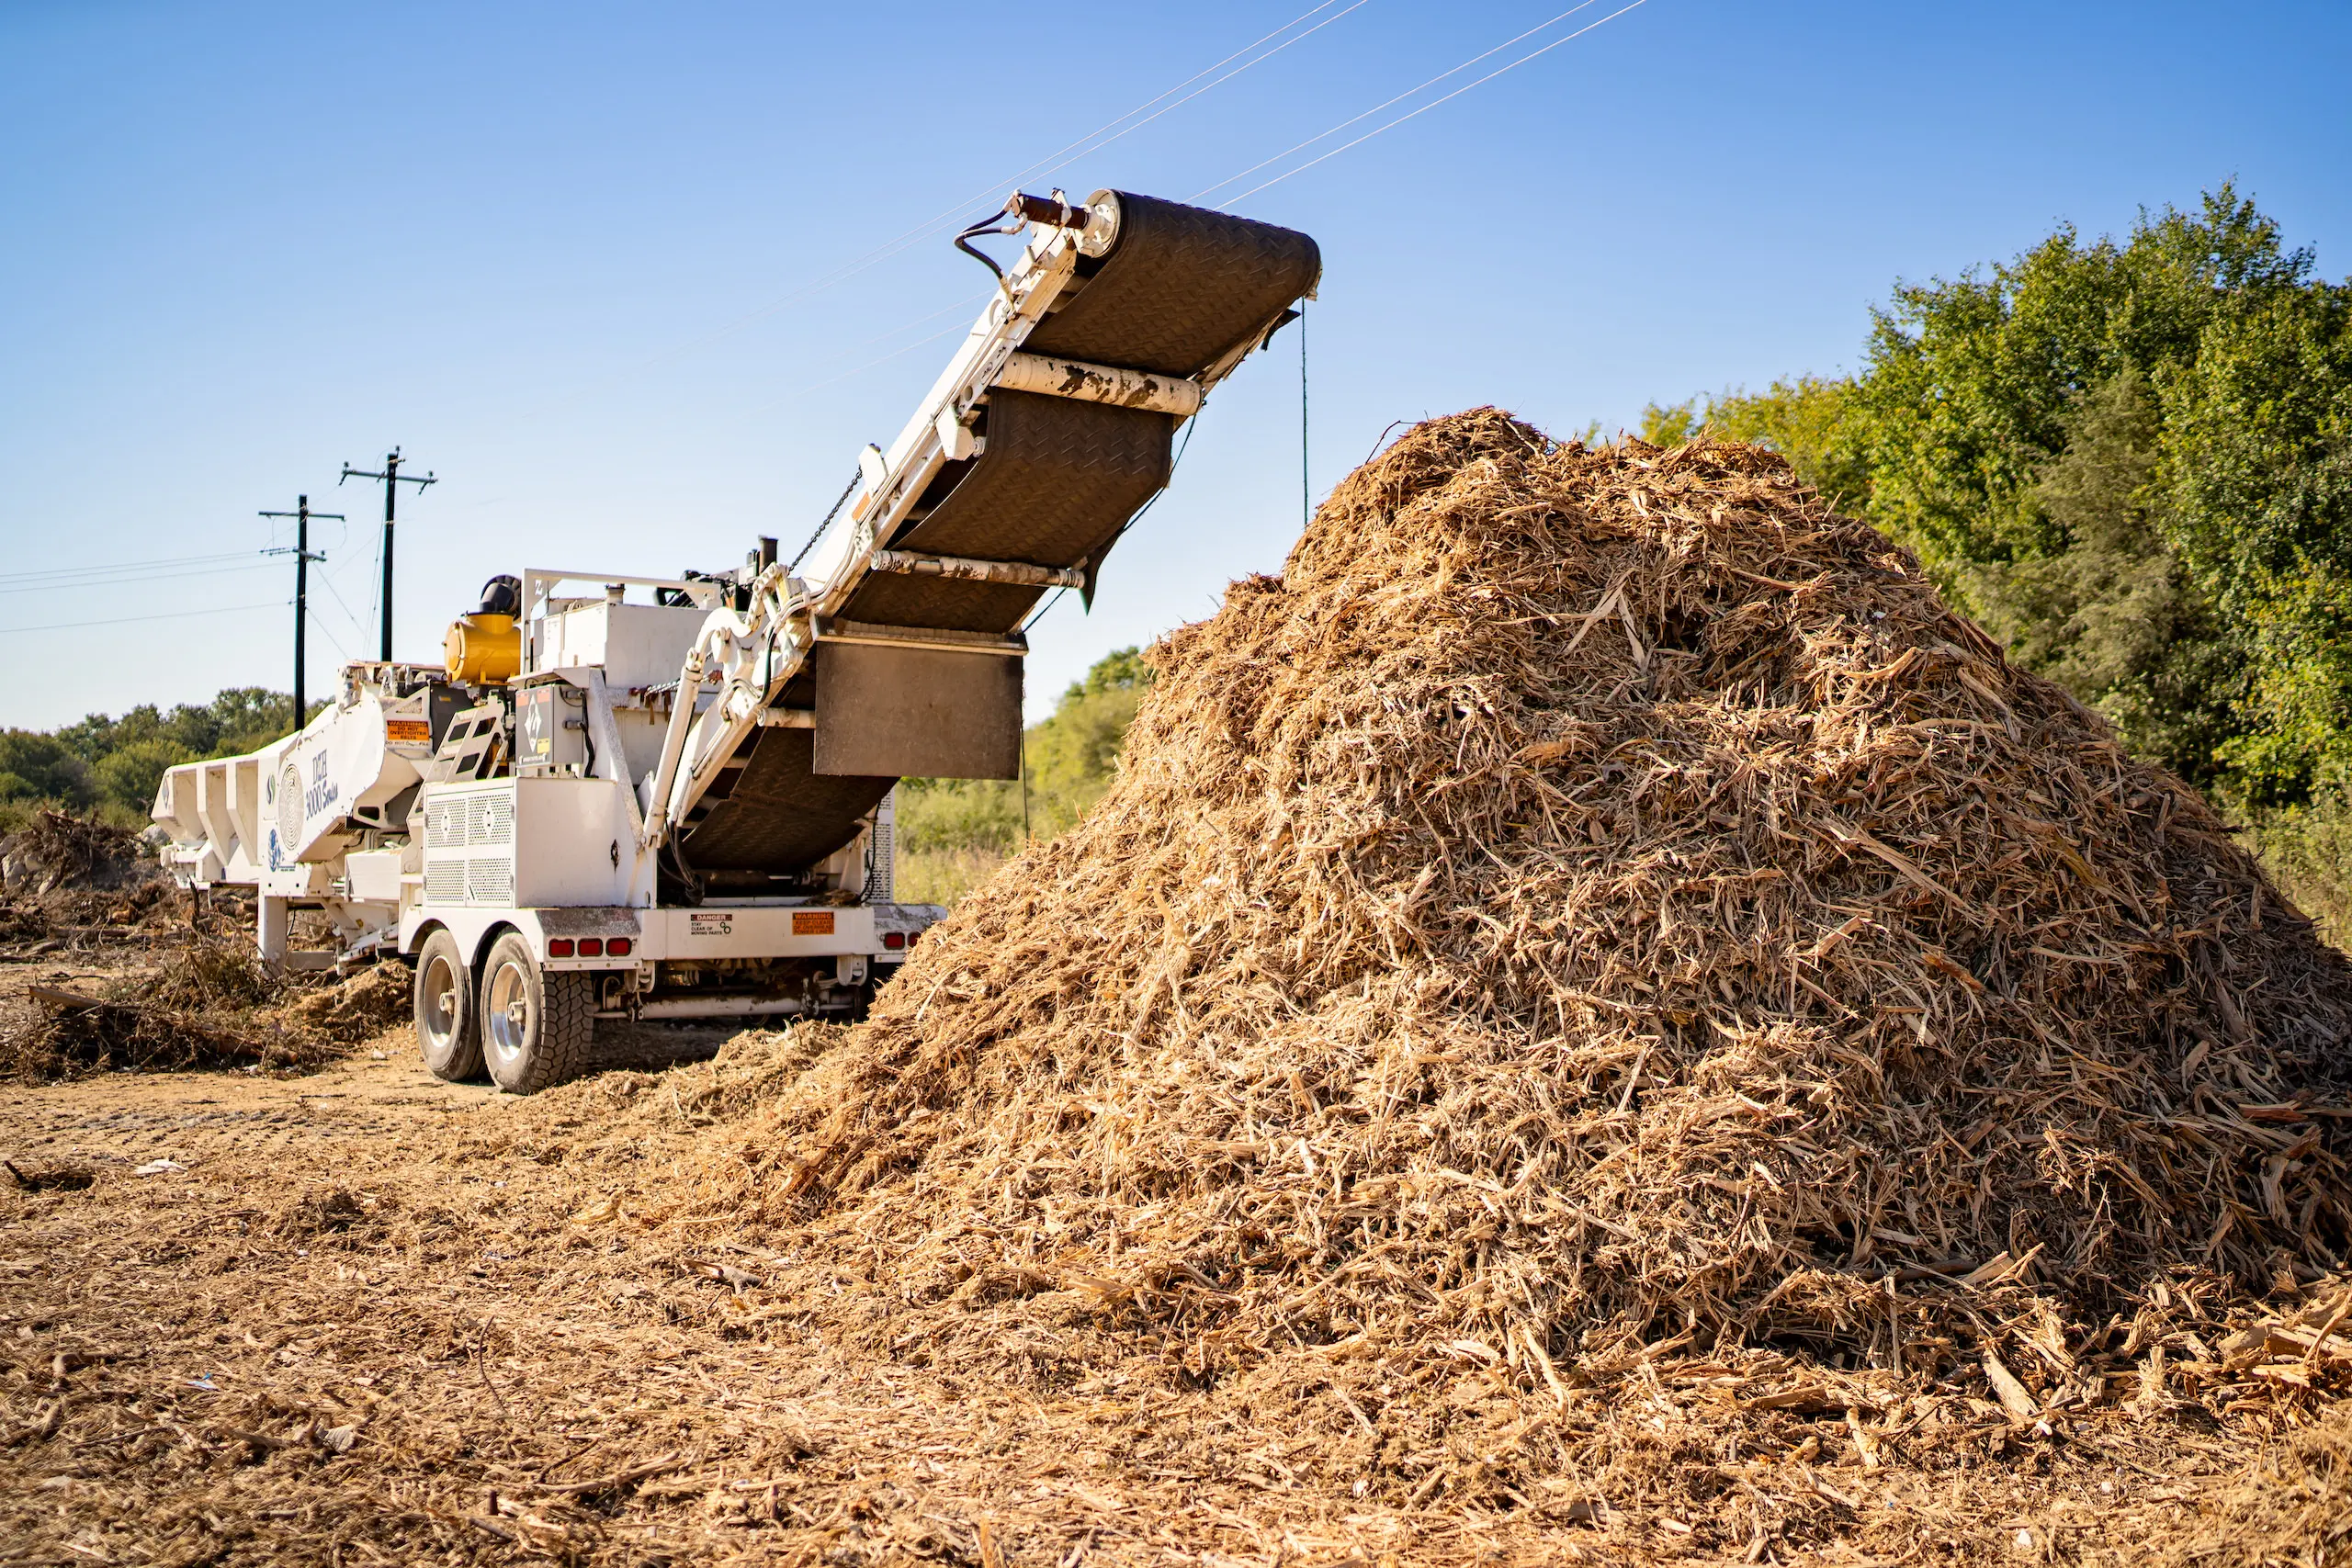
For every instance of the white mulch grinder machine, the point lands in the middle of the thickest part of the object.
(630, 796)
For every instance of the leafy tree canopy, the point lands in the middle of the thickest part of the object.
(2133, 460)
(117, 763)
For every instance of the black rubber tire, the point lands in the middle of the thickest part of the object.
(449, 1027)
(535, 1026)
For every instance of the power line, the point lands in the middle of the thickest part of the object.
(1090, 144)
(156, 563)
(393, 478)
(1231, 179)
(358, 626)
(879, 359)
(1228, 76)
(303, 555)
(1092, 141)
(1083, 142)
(1425, 107)
(326, 629)
(111, 578)
(169, 616)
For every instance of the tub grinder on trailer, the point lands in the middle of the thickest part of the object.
(630, 796)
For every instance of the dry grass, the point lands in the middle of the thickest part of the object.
(944, 877)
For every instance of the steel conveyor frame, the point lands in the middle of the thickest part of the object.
(1049, 430)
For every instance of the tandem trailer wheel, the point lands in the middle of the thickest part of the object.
(448, 1025)
(535, 1026)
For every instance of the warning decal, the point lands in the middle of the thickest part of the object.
(812, 923)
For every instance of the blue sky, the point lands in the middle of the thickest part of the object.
(560, 254)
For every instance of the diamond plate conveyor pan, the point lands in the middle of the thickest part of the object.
(1055, 483)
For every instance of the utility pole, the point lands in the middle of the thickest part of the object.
(393, 478)
(303, 555)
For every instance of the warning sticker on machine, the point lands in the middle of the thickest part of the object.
(702, 924)
(812, 923)
(408, 731)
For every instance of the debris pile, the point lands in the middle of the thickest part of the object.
(1596, 916)
(211, 1003)
(371, 1000)
(78, 882)
(57, 849)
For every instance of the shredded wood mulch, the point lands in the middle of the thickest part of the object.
(361, 1317)
(1598, 1021)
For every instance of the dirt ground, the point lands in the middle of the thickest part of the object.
(364, 1317)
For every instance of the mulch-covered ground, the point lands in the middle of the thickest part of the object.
(367, 1317)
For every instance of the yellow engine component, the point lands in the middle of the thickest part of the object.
(482, 649)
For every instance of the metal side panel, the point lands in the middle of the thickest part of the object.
(780, 815)
(1181, 288)
(917, 713)
(757, 930)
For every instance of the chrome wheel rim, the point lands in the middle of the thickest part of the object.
(507, 1012)
(443, 997)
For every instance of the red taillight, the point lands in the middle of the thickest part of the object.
(894, 939)
(591, 947)
(619, 947)
(558, 947)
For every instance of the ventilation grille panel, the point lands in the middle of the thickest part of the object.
(490, 879)
(445, 882)
(470, 847)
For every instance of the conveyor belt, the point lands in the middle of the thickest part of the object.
(1182, 289)
(778, 815)
(1054, 483)
(1057, 483)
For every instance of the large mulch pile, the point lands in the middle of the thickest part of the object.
(1597, 925)
(1599, 1023)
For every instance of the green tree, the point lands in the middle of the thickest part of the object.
(2109, 609)
(38, 767)
(114, 765)
(2132, 461)
(128, 776)
(1968, 384)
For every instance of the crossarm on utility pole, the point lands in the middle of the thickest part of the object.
(303, 555)
(392, 479)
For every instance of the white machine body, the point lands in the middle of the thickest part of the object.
(351, 819)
